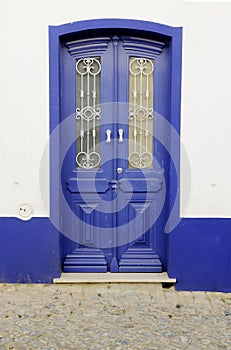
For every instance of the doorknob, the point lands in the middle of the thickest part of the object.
(120, 131)
(108, 133)
(119, 170)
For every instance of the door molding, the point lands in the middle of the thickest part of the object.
(58, 33)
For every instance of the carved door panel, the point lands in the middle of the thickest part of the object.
(113, 174)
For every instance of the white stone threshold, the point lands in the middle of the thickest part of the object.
(108, 277)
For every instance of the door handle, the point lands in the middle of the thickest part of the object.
(108, 133)
(120, 131)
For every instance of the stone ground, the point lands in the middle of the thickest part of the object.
(112, 317)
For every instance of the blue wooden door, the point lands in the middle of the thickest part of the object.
(114, 175)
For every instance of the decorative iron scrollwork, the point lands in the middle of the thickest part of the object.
(140, 113)
(140, 160)
(88, 160)
(88, 112)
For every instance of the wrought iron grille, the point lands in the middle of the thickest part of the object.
(141, 113)
(88, 112)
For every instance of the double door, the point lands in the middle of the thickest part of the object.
(114, 174)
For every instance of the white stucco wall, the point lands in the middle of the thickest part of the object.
(206, 94)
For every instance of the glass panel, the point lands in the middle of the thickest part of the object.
(140, 113)
(88, 112)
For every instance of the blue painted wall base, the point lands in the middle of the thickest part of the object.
(29, 251)
(199, 254)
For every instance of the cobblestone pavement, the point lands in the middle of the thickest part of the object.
(112, 316)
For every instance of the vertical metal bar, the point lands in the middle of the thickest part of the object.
(94, 98)
(135, 95)
(147, 105)
(88, 105)
(141, 105)
(81, 118)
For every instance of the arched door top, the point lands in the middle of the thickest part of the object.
(114, 23)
